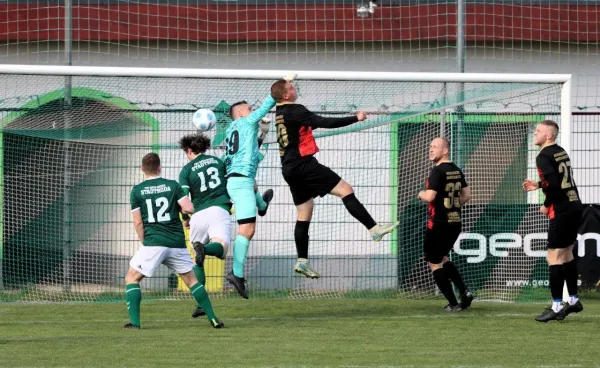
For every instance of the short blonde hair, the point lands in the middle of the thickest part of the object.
(552, 125)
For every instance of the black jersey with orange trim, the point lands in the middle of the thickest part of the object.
(556, 179)
(447, 180)
(295, 125)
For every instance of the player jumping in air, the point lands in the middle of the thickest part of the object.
(306, 177)
(446, 192)
(155, 206)
(241, 160)
(563, 207)
(203, 178)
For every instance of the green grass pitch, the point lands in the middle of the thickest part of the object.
(297, 333)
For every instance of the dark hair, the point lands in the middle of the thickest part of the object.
(278, 89)
(233, 106)
(550, 123)
(198, 143)
(150, 163)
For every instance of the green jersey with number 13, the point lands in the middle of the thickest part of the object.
(204, 179)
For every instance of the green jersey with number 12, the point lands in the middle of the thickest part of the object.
(157, 200)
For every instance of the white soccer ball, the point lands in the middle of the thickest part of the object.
(204, 119)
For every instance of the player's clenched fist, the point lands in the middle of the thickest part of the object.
(361, 115)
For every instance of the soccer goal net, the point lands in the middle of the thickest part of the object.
(72, 140)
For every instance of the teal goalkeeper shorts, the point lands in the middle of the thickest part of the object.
(241, 192)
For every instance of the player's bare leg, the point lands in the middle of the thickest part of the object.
(345, 191)
(305, 211)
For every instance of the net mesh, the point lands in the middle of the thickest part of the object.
(68, 169)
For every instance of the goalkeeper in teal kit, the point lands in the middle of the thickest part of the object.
(241, 161)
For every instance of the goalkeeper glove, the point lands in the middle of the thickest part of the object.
(289, 77)
(264, 126)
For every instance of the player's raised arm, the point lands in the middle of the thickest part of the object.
(269, 102)
(262, 111)
(316, 121)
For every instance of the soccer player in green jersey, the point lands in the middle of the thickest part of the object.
(155, 206)
(203, 178)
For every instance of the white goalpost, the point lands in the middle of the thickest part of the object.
(75, 150)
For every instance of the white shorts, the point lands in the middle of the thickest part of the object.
(147, 259)
(211, 222)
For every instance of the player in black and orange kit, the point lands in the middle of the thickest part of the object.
(446, 192)
(306, 177)
(564, 209)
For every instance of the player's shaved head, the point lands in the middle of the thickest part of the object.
(283, 90)
(552, 126)
(545, 133)
(278, 89)
(445, 143)
(151, 164)
(439, 149)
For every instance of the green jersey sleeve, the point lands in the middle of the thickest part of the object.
(180, 193)
(134, 201)
(184, 180)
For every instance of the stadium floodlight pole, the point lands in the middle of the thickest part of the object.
(67, 149)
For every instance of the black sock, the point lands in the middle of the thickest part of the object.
(571, 277)
(301, 237)
(443, 282)
(557, 280)
(454, 276)
(358, 211)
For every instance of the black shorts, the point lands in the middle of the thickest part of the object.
(309, 179)
(439, 241)
(562, 229)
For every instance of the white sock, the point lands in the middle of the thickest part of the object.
(374, 229)
(573, 300)
(556, 306)
(302, 260)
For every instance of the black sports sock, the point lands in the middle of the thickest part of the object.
(358, 211)
(454, 276)
(301, 238)
(443, 282)
(571, 276)
(557, 280)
